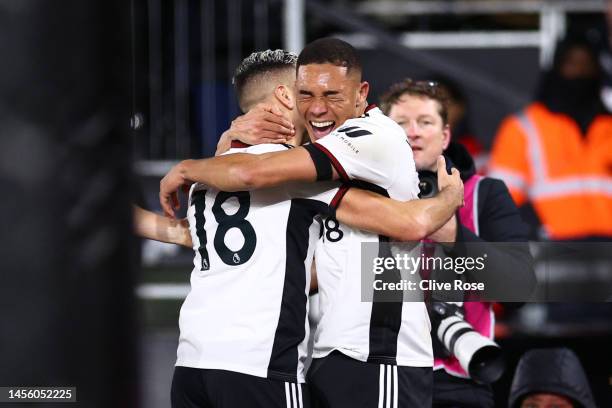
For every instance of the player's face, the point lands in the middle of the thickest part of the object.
(427, 134)
(328, 95)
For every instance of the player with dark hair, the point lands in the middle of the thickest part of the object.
(256, 76)
(366, 353)
(330, 51)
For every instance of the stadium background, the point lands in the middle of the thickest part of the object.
(170, 64)
(494, 50)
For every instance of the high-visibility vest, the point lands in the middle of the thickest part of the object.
(544, 158)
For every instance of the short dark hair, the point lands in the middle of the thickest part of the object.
(425, 89)
(330, 51)
(261, 62)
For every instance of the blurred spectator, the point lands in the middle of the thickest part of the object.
(556, 155)
(602, 36)
(547, 378)
(458, 120)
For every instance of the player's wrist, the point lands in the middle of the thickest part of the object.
(450, 195)
(185, 169)
(457, 195)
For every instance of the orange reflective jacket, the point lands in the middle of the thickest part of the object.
(544, 158)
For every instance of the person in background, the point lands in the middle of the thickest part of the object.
(458, 121)
(489, 215)
(555, 155)
(601, 35)
(550, 378)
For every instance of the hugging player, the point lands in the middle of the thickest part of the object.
(333, 344)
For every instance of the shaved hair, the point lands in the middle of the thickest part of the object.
(258, 75)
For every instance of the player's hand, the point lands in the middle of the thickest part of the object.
(264, 123)
(169, 187)
(452, 181)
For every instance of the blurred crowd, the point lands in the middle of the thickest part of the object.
(555, 155)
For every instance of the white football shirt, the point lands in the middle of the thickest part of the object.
(371, 152)
(247, 310)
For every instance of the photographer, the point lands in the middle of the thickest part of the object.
(489, 215)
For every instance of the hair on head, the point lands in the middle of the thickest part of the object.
(262, 62)
(423, 89)
(330, 51)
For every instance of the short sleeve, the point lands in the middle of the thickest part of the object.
(362, 150)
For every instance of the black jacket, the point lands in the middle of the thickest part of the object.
(556, 371)
(510, 271)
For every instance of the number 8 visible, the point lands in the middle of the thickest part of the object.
(226, 222)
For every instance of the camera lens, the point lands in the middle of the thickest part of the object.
(426, 188)
(478, 355)
(428, 184)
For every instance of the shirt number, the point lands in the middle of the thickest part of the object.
(226, 222)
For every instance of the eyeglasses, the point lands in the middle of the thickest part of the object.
(431, 86)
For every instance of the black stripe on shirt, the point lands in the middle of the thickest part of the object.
(386, 318)
(290, 331)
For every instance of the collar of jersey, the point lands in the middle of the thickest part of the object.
(237, 144)
(370, 107)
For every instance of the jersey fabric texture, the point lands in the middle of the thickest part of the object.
(247, 308)
(371, 152)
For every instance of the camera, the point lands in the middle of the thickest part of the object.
(478, 355)
(428, 181)
(428, 184)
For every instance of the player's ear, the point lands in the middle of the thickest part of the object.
(362, 94)
(284, 96)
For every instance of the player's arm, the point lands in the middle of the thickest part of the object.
(150, 225)
(403, 221)
(239, 172)
(264, 123)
